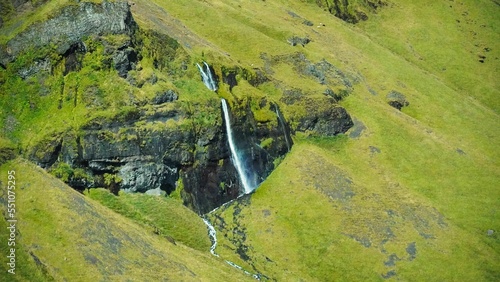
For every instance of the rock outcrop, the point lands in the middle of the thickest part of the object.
(351, 11)
(167, 150)
(397, 100)
(319, 115)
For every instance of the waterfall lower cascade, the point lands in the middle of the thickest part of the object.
(207, 77)
(248, 188)
(213, 237)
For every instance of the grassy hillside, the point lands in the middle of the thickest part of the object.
(429, 173)
(62, 235)
(406, 195)
(318, 220)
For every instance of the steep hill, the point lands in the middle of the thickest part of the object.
(390, 108)
(62, 235)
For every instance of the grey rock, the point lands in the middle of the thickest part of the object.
(156, 192)
(328, 122)
(411, 249)
(35, 68)
(46, 152)
(391, 260)
(293, 15)
(357, 130)
(340, 95)
(142, 176)
(327, 73)
(18, 3)
(295, 40)
(124, 60)
(71, 25)
(374, 150)
(165, 97)
(397, 100)
(308, 23)
(389, 274)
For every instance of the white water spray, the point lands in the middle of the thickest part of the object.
(236, 158)
(207, 77)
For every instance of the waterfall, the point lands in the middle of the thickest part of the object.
(234, 153)
(207, 77)
(213, 238)
(283, 127)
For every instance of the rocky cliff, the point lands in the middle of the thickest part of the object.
(70, 26)
(164, 141)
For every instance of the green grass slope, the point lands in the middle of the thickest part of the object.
(164, 216)
(315, 221)
(64, 236)
(405, 195)
(424, 178)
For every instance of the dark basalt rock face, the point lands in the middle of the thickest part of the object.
(321, 117)
(327, 122)
(162, 157)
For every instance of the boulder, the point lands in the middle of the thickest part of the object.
(326, 122)
(319, 115)
(295, 40)
(397, 100)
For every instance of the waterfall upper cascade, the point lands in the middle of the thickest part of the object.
(207, 76)
(234, 152)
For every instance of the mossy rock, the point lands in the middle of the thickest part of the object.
(7, 151)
